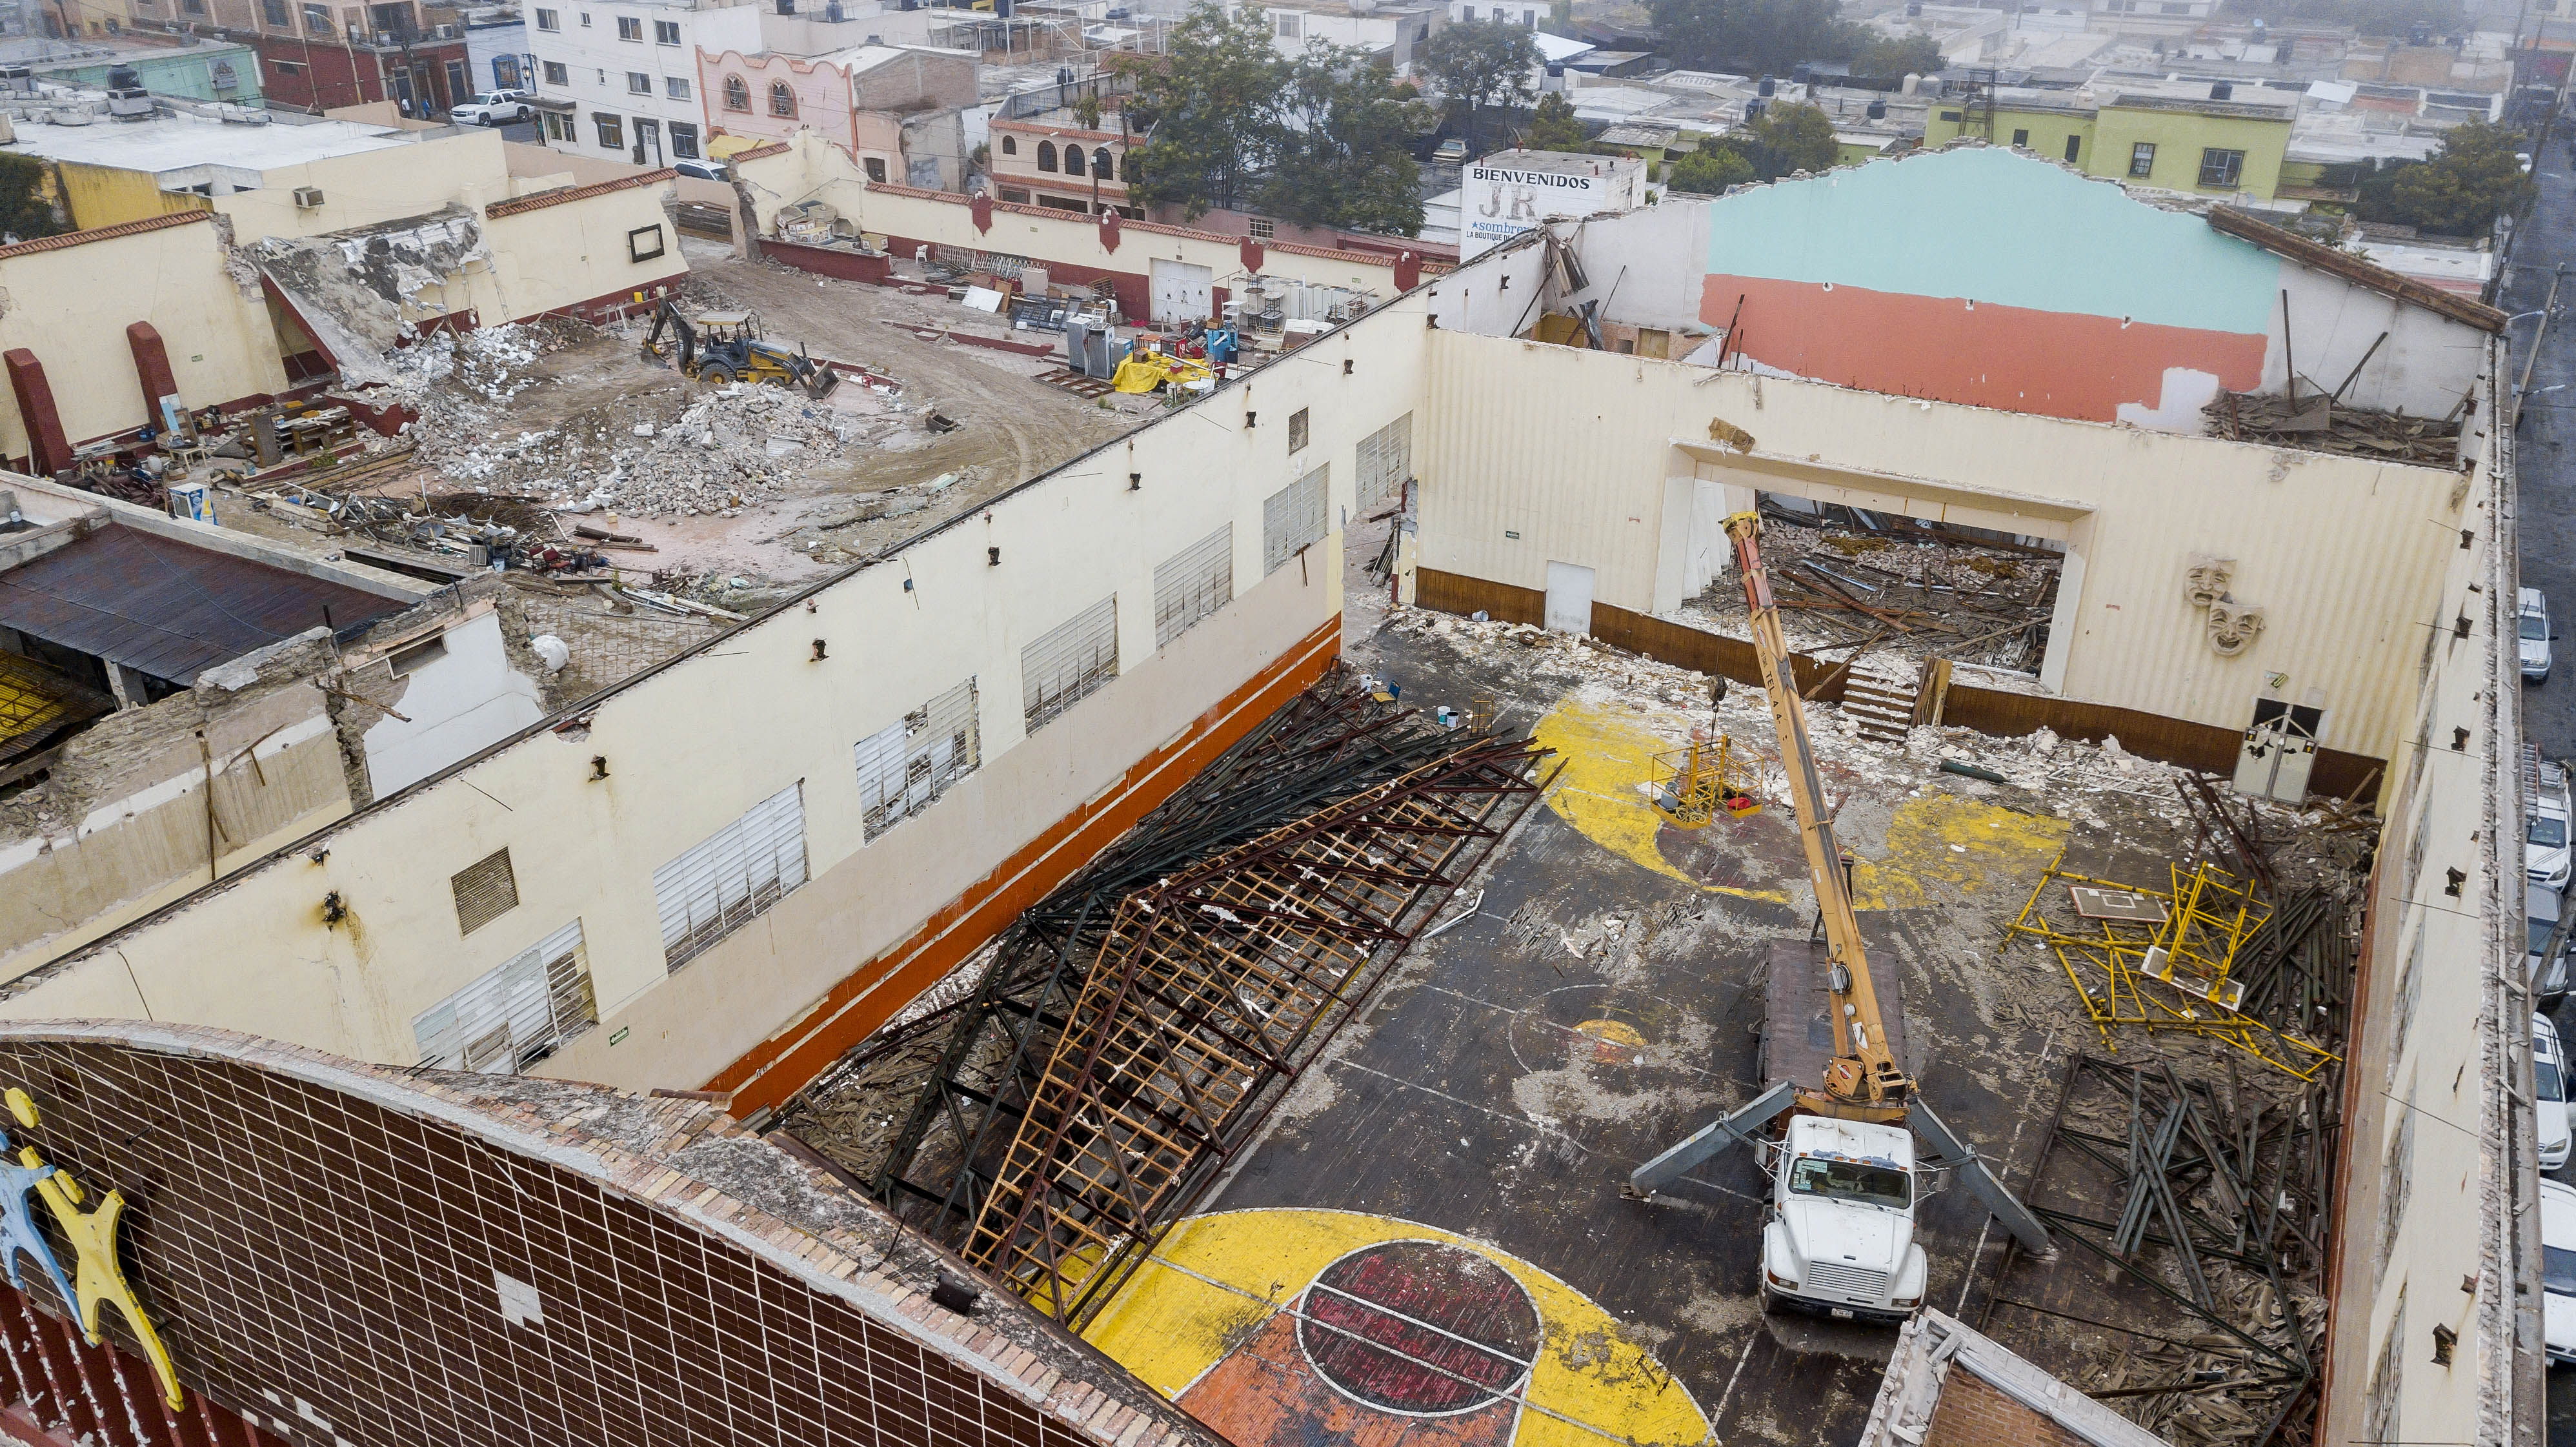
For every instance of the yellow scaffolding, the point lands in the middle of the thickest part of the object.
(1694, 783)
(2156, 960)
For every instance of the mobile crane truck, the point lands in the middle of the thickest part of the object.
(1838, 1119)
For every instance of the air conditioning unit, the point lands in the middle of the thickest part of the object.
(447, 32)
(308, 198)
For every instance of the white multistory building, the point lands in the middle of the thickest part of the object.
(619, 81)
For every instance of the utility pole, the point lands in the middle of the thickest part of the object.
(2539, 334)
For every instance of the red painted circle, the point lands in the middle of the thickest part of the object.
(1419, 1327)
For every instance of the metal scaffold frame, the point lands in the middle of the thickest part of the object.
(2172, 967)
(1215, 986)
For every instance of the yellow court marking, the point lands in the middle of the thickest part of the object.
(1216, 1278)
(1942, 840)
(1608, 752)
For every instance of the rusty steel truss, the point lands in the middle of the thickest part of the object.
(1213, 987)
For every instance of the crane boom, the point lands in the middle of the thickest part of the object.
(1864, 1080)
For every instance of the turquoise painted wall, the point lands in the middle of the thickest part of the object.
(186, 71)
(1987, 225)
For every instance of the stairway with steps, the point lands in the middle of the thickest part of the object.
(1879, 706)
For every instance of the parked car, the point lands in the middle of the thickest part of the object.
(1452, 151)
(2536, 636)
(2558, 1270)
(2551, 1088)
(2548, 975)
(704, 170)
(496, 108)
(2544, 840)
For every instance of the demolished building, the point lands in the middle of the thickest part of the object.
(750, 859)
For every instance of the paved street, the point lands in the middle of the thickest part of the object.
(2548, 512)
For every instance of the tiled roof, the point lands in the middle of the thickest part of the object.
(104, 233)
(517, 205)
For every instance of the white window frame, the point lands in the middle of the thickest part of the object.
(1295, 518)
(904, 767)
(732, 876)
(1074, 660)
(1193, 584)
(514, 1014)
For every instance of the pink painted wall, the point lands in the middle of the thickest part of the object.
(822, 94)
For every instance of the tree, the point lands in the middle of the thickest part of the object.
(1556, 129)
(1760, 36)
(1344, 124)
(1785, 139)
(1890, 57)
(1209, 107)
(1481, 62)
(1711, 169)
(2459, 192)
(25, 213)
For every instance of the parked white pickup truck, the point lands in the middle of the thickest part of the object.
(1838, 1238)
(495, 108)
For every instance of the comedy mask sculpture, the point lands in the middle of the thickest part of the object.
(2233, 626)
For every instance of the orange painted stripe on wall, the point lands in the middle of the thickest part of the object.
(2052, 364)
(871, 994)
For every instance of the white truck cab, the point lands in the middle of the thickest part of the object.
(1838, 1238)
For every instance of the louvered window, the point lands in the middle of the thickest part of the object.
(1193, 583)
(1292, 518)
(1066, 666)
(485, 891)
(909, 764)
(513, 1016)
(1386, 460)
(743, 869)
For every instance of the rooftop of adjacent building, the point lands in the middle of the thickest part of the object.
(173, 142)
(1562, 163)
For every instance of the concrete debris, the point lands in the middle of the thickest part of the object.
(359, 292)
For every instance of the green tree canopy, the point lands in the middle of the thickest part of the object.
(1208, 107)
(1230, 123)
(1341, 157)
(1709, 170)
(1786, 139)
(1479, 63)
(24, 211)
(1555, 128)
(1890, 57)
(2460, 192)
(1760, 36)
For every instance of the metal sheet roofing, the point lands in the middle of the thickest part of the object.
(166, 608)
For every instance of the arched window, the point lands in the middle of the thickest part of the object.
(1073, 160)
(737, 94)
(782, 100)
(1046, 155)
(1101, 165)
(1010, 146)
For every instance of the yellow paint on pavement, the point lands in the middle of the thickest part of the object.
(1939, 841)
(1217, 1278)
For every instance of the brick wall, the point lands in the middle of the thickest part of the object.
(1973, 1414)
(331, 1252)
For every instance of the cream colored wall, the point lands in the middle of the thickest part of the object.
(813, 170)
(685, 757)
(369, 187)
(558, 255)
(71, 308)
(2428, 1050)
(1573, 450)
(144, 837)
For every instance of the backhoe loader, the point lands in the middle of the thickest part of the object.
(722, 348)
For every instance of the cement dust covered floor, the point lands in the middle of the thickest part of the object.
(1596, 1005)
